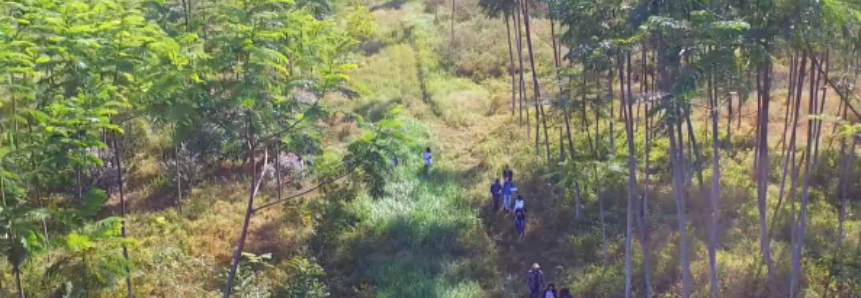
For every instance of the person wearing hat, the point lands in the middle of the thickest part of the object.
(535, 281)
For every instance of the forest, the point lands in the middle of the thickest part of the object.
(246, 148)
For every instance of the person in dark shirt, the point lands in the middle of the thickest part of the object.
(507, 174)
(535, 281)
(520, 222)
(565, 293)
(496, 194)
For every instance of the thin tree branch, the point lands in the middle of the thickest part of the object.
(843, 97)
(284, 200)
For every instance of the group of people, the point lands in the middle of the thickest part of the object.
(502, 193)
(537, 288)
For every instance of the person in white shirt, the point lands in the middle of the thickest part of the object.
(518, 204)
(427, 156)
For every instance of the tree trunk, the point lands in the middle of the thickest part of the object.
(632, 176)
(715, 189)
(697, 158)
(844, 182)
(546, 136)
(820, 83)
(119, 162)
(452, 24)
(795, 108)
(798, 246)
(178, 175)
(278, 166)
(679, 192)
(535, 86)
(763, 169)
(511, 62)
(645, 242)
(566, 112)
(553, 36)
(584, 121)
(814, 97)
(576, 200)
(758, 121)
(522, 84)
(598, 192)
(789, 96)
(249, 211)
(561, 144)
(610, 79)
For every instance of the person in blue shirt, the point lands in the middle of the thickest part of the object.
(427, 157)
(496, 193)
(507, 190)
(520, 222)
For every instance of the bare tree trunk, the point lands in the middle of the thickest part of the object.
(632, 175)
(553, 36)
(795, 110)
(756, 147)
(511, 62)
(539, 109)
(119, 161)
(679, 190)
(821, 110)
(546, 136)
(561, 144)
(452, 23)
(584, 121)
(763, 169)
(789, 96)
(598, 192)
(610, 79)
(697, 158)
(566, 112)
(715, 189)
(729, 124)
(178, 174)
(844, 181)
(278, 166)
(522, 84)
(798, 246)
(576, 200)
(249, 211)
(645, 242)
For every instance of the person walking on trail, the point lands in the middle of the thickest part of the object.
(507, 174)
(520, 222)
(565, 293)
(427, 156)
(507, 190)
(496, 193)
(518, 204)
(535, 281)
(550, 292)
